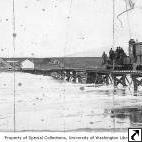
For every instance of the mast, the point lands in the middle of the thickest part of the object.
(113, 34)
(14, 36)
(113, 44)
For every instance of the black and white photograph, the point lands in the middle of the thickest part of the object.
(70, 65)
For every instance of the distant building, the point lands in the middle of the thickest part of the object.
(5, 65)
(27, 64)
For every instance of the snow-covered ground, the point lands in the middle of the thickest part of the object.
(43, 103)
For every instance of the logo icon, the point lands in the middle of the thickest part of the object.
(134, 135)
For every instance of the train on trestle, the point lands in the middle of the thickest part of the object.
(119, 60)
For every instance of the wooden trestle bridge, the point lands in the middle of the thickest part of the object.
(96, 76)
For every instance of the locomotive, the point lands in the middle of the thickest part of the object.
(132, 61)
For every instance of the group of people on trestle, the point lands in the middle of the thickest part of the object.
(115, 56)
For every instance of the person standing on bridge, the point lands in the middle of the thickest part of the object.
(111, 56)
(104, 58)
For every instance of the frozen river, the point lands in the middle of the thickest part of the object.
(42, 103)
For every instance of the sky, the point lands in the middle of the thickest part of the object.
(53, 28)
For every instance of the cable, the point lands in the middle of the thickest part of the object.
(128, 20)
(132, 6)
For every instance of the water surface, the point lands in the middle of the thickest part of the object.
(45, 104)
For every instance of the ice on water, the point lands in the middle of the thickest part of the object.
(43, 103)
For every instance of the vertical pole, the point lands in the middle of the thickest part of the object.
(115, 80)
(14, 36)
(113, 23)
(113, 11)
(134, 78)
(106, 80)
(74, 76)
(68, 75)
(96, 78)
(113, 32)
(123, 80)
(135, 87)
